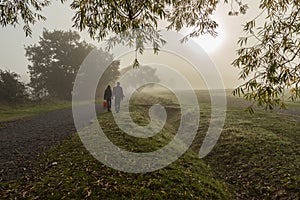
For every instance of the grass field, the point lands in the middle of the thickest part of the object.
(256, 157)
(259, 154)
(8, 113)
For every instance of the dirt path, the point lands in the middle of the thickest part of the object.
(23, 140)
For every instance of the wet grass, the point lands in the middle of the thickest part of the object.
(10, 113)
(259, 155)
(69, 171)
(256, 157)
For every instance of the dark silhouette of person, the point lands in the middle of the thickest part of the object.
(107, 97)
(118, 95)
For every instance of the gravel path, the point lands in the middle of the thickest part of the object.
(23, 140)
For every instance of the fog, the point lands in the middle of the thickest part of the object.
(221, 50)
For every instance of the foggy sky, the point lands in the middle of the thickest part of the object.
(221, 50)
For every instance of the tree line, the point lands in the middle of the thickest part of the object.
(54, 62)
(269, 64)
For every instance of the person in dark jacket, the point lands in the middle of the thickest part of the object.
(107, 97)
(118, 94)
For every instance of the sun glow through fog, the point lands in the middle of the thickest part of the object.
(209, 43)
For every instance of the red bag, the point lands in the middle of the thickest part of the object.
(104, 104)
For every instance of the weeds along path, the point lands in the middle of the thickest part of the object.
(21, 141)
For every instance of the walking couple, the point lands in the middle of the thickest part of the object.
(117, 93)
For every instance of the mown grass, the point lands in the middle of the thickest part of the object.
(259, 155)
(256, 157)
(9, 113)
(68, 171)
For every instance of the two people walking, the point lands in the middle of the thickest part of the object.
(117, 93)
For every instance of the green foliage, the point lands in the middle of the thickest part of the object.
(55, 61)
(135, 23)
(270, 63)
(273, 61)
(12, 90)
(28, 11)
